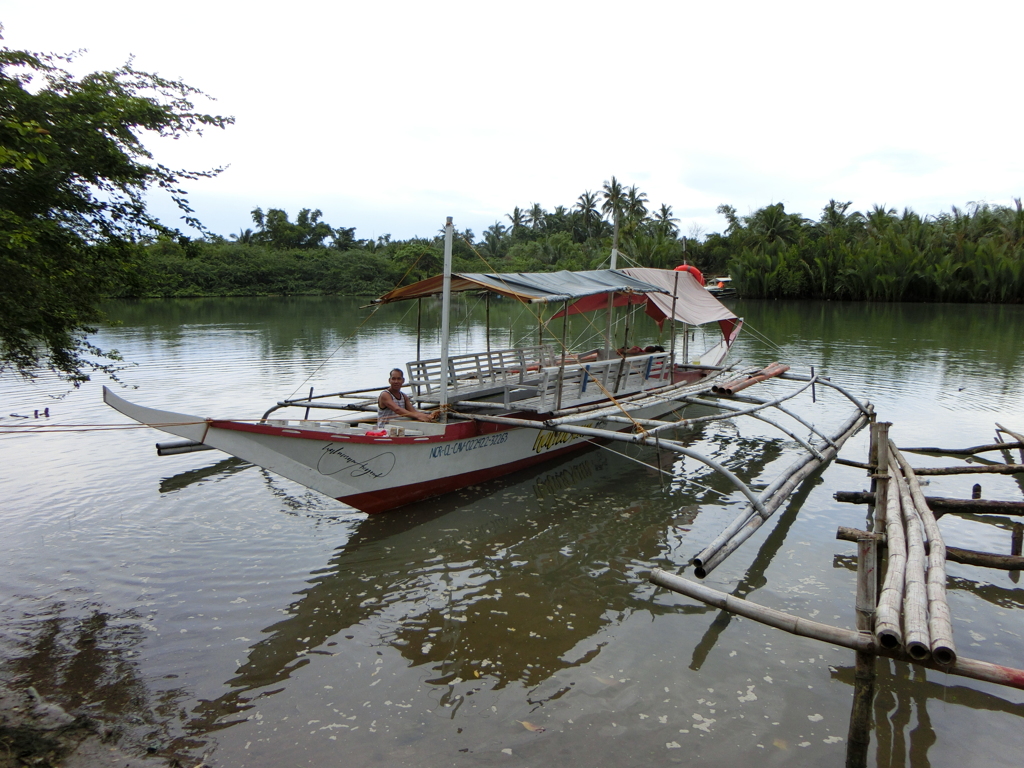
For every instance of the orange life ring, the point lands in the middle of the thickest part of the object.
(692, 270)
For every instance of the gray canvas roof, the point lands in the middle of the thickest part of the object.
(532, 287)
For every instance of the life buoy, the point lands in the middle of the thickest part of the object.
(692, 270)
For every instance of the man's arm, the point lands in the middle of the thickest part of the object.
(387, 401)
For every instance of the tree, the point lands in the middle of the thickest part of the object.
(586, 204)
(664, 222)
(614, 206)
(308, 231)
(535, 216)
(74, 173)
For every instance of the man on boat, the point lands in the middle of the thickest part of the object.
(393, 402)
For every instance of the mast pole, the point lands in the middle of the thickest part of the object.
(611, 296)
(487, 323)
(446, 306)
(672, 326)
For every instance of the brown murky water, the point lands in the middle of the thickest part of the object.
(207, 607)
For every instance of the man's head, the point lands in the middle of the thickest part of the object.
(396, 378)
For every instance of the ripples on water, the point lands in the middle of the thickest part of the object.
(205, 604)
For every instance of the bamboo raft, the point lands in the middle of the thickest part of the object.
(903, 615)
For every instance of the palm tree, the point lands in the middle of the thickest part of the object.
(517, 218)
(879, 219)
(614, 205)
(535, 216)
(586, 204)
(664, 221)
(494, 240)
(636, 206)
(614, 196)
(772, 224)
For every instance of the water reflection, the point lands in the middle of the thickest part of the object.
(219, 471)
(505, 583)
(83, 658)
(902, 727)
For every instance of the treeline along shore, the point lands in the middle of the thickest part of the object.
(964, 255)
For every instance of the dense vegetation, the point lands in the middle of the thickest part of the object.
(280, 256)
(74, 174)
(974, 255)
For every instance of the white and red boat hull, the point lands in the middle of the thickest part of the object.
(374, 474)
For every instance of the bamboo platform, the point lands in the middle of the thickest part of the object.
(901, 610)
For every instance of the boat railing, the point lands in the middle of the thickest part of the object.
(535, 379)
(476, 374)
(578, 383)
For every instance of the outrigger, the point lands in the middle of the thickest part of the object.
(503, 410)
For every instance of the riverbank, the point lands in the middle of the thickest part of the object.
(37, 732)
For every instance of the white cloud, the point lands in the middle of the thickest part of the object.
(389, 117)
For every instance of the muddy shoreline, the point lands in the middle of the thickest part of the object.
(37, 732)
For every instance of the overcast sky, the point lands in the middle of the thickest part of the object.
(390, 116)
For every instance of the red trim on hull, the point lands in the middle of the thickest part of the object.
(375, 502)
(453, 431)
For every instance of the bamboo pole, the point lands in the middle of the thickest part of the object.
(888, 630)
(826, 381)
(975, 449)
(941, 505)
(881, 475)
(953, 554)
(736, 385)
(940, 625)
(915, 593)
(859, 732)
(1016, 436)
(624, 437)
(847, 638)
(991, 469)
(744, 526)
(1016, 542)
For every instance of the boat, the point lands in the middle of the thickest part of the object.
(500, 410)
(720, 287)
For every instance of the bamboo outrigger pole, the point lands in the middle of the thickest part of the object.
(752, 518)
(847, 638)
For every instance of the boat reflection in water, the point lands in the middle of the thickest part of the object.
(510, 584)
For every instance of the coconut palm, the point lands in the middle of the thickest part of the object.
(535, 216)
(586, 205)
(614, 196)
(518, 219)
(664, 221)
(614, 206)
(636, 206)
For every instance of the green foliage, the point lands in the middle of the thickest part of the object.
(977, 255)
(74, 173)
(233, 269)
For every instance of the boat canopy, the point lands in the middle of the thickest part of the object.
(536, 287)
(693, 303)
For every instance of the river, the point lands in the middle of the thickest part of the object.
(208, 608)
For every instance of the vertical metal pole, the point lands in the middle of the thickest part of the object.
(419, 328)
(565, 351)
(307, 407)
(672, 325)
(487, 321)
(629, 316)
(611, 296)
(446, 306)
